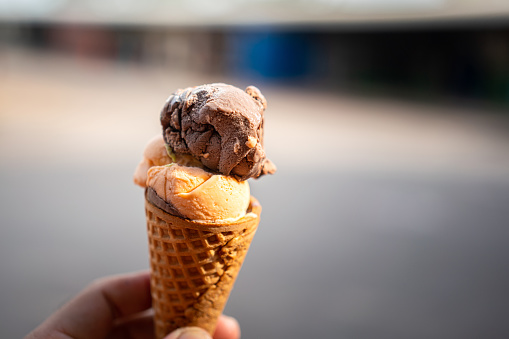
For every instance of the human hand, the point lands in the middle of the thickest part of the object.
(118, 307)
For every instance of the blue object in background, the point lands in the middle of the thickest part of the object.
(273, 56)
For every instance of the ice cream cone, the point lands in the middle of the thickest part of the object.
(194, 266)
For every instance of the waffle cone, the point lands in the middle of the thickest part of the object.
(194, 266)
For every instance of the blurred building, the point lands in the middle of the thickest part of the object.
(431, 49)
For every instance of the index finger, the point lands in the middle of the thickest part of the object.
(91, 314)
(125, 294)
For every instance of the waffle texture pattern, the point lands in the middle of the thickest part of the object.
(194, 266)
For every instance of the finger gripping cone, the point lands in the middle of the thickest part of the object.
(194, 266)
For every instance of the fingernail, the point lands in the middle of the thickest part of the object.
(189, 333)
(232, 321)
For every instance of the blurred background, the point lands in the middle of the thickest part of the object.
(388, 120)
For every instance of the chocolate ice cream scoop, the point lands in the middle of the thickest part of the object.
(221, 126)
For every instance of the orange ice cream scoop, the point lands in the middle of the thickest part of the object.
(155, 154)
(199, 195)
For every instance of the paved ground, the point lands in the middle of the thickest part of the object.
(386, 219)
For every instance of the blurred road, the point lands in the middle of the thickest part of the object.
(386, 219)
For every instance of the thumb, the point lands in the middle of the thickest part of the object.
(189, 333)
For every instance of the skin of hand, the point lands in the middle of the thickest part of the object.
(118, 307)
